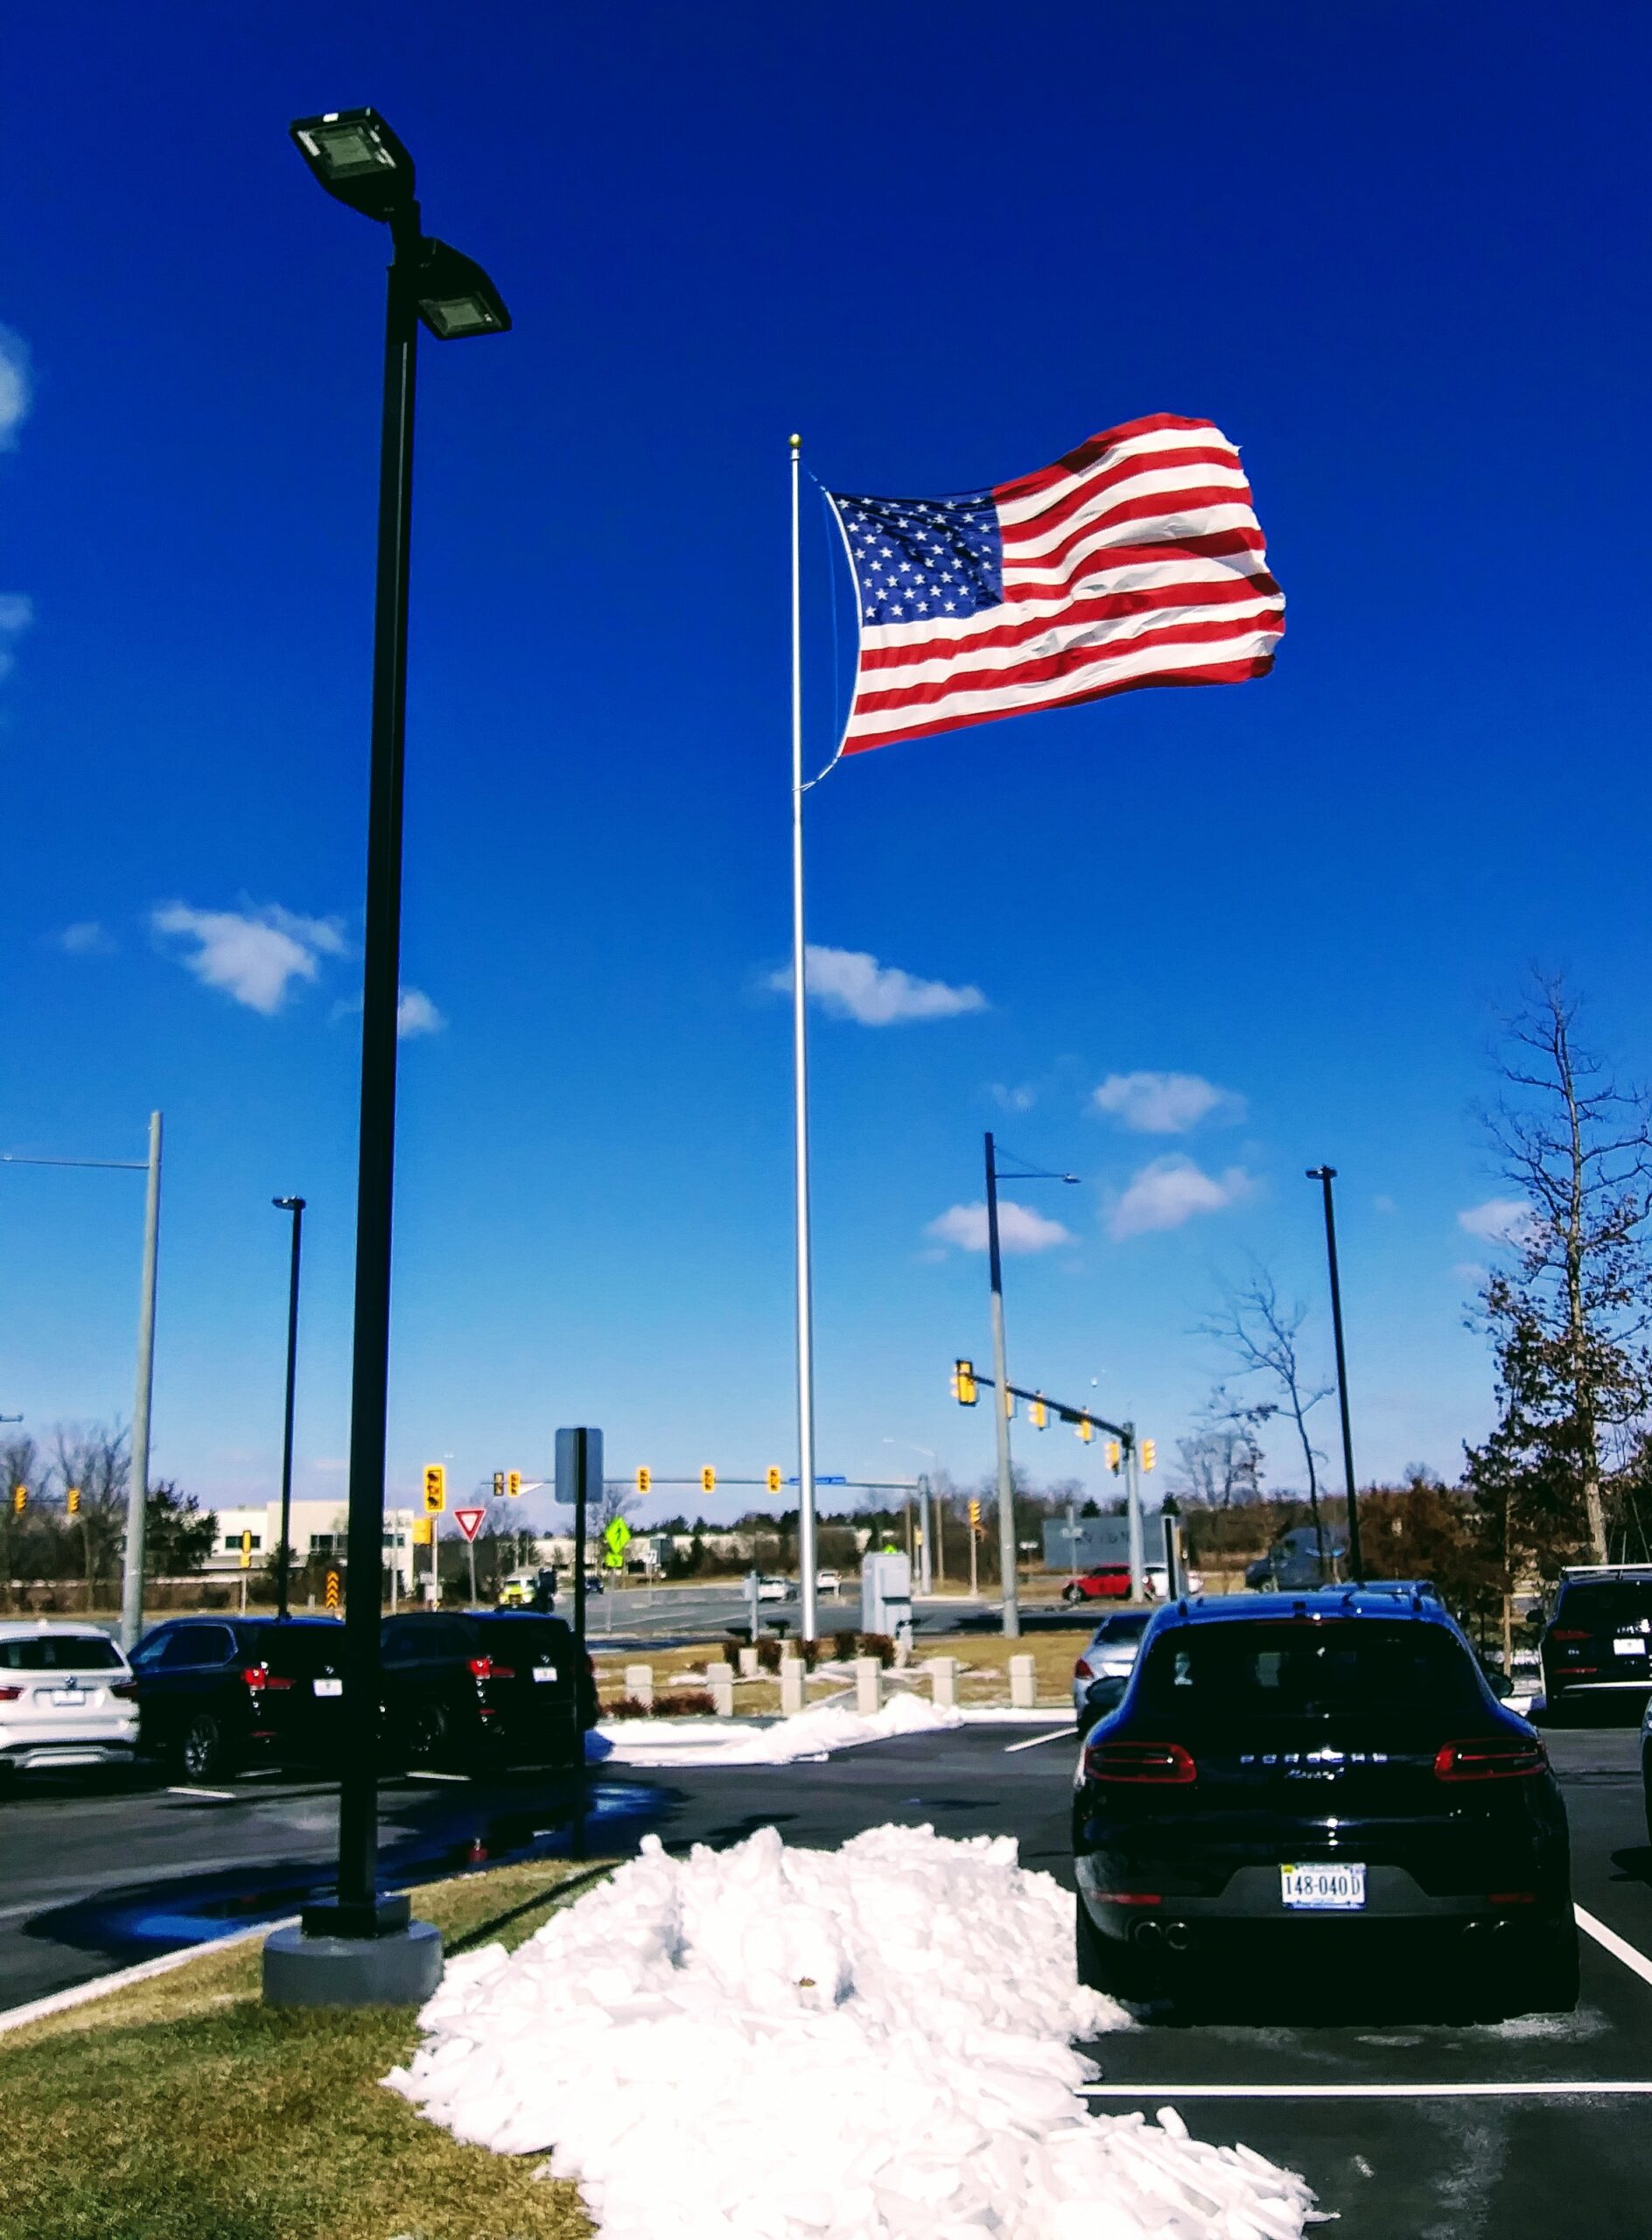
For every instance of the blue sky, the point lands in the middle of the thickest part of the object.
(1391, 250)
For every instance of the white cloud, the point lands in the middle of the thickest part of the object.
(253, 956)
(416, 1014)
(1500, 1220)
(86, 938)
(1014, 1100)
(1164, 1104)
(17, 390)
(1170, 1191)
(1020, 1229)
(849, 984)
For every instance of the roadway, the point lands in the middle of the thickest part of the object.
(1413, 2122)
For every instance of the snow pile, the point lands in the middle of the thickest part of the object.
(865, 2044)
(806, 1734)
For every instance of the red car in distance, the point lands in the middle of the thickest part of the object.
(1107, 1583)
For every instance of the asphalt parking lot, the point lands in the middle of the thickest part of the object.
(1410, 2120)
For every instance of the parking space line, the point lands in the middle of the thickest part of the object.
(205, 1795)
(1569, 2088)
(1071, 1733)
(1619, 1947)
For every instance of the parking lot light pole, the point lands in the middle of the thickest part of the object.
(331, 1961)
(1325, 1176)
(295, 1207)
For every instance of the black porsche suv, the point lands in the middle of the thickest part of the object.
(1599, 1633)
(1283, 1764)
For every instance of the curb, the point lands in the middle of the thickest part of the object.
(99, 1986)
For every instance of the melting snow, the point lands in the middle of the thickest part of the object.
(865, 2044)
(806, 1734)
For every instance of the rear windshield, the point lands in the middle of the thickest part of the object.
(1605, 1602)
(301, 1650)
(1303, 1668)
(545, 1638)
(61, 1653)
(1129, 1625)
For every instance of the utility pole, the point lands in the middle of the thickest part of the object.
(1001, 1404)
(138, 1491)
(295, 1207)
(1325, 1176)
(1133, 1508)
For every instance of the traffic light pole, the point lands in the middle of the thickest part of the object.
(1001, 1414)
(1326, 1176)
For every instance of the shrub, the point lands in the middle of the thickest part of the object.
(627, 1707)
(846, 1644)
(879, 1645)
(768, 1654)
(685, 1703)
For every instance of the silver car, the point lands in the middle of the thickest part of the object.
(1106, 1663)
(66, 1696)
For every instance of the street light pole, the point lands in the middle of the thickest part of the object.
(1326, 1176)
(295, 1207)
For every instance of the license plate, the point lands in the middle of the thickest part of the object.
(545, 1672)
(1330, 1889)
(329, 1687)
(67, 1699)
(1635, 1646)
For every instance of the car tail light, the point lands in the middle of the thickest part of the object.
(1082, 1669)
(1511, 1897)
(485, 1669)
(1570, 1633)
(9, 1695)
(258, 1676)
(1139, 1761)
(1129, 1897)
(128, 1689)
(1503, 1758)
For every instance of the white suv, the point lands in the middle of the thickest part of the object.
(66, 1696)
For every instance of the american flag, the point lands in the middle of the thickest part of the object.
(1137, 559)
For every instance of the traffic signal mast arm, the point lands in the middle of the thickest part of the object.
(1123, 1433)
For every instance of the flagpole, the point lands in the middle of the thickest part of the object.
(806, 1563)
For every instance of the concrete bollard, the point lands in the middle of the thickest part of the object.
(944, 1672)
(748, 1663)
(720, 1679)
(640, 1684)
(869, 1685)
(792, 1670)
(1023, 1683)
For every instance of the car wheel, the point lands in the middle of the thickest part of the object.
(1072, 1592)
(1548, 1967)
(200, 1748)
(1105, 1964)
(427, 1734)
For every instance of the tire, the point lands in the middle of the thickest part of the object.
(200, 1748)
(1549, 1965)
(427, 1734)
(1072, 1592)
(1106, 1965)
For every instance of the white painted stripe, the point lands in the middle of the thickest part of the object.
(1110, 630)
(1172, 527)
(1619, 1947)
(1031, 541)
(82, 1994)
(205, 1796)
(1202, 438)
(1146, 661)
(1567, 2087)
(1061, 1733)
(1106, 583)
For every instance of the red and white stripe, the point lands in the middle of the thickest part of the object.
(1136, 560)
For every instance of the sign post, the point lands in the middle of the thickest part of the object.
(578, 1475)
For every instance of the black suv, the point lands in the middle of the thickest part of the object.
(1285, 1763)
(214, 1693)
(1599, 1633)
(504, 1685)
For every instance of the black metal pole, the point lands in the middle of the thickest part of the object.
(1326, 1176)
(295, 1207)
(581, 1464)
(360, 1911)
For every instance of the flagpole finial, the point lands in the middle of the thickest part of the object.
(796, 443)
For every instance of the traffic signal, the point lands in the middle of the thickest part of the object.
(513, 1484)
(246, 1552)
(1009, 1406)
(422, 1528)
(708, 1480)
(1150, 1453)
(19, 1498)
(74, 1501)
(645, 1479)
(772, 1478)
(435, 1489)
(1087, 1430)
(963, 1389)
(1038, 1413)
(975, 1512)
(499, 1485)
(1113, 1456)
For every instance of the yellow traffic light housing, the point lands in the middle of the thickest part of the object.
(1150, 1453)
(19, 1498)
(435, 1489)
(513, 1484)
(772, 1478)
(1086, 1430)
(964, 1387)
(1038, 1413)
(708, 1480)
(975, 1512)
(74, 1501)
(499, 1485)
(645, 1480)
(1114, 1456)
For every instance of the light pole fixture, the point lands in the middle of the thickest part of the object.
(1001, 1398)
(1325, 1176)
(283, 1553)
(360, 1946)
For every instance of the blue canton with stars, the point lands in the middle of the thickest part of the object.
(924, 559)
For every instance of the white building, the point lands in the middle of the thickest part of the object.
(320, 1529)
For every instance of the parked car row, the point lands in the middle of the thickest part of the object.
(208, 1696)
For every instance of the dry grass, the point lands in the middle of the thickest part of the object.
(183, 2109)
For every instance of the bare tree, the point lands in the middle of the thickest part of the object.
(19, 1468)
(97, 1460)
(1570, 1319)
(1260, 1331)
(1222, 1458)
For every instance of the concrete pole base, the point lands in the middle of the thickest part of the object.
(398, 1971)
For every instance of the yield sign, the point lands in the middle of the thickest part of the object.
(469, 1521)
